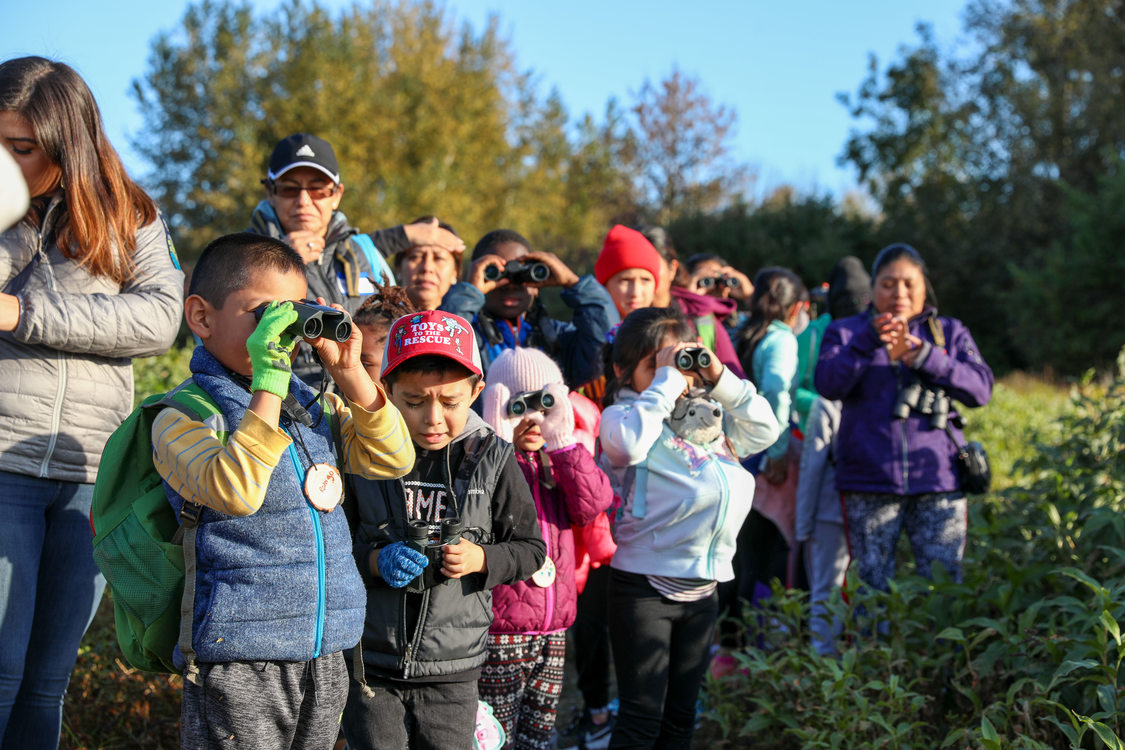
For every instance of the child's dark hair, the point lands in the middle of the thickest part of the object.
(430, 364)
(642, 332)
(486, 244)
(659, 238)
(229, 263)
(776, 290)
(383, 307)
(695, 261)
(902, 251)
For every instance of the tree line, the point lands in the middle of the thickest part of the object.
(1000, 160)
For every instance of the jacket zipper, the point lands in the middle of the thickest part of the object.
(902, 437)
(60, 385)
(724, 501)
(550, 592)
(318, 532)
(412, 646)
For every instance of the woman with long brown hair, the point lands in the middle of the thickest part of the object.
(88, 280)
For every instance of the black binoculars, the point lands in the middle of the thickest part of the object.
(519, 272)
(927, 401)
(693, 358)
(430, 539)
(316, 321)
(527, 401)
(710, 281)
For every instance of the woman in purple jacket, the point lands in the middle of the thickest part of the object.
(896, 368)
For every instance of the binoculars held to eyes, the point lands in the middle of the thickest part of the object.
(527, 401)
(710, 281)
(316, 321)
(430, 539)
(693, 358)
(519, 272)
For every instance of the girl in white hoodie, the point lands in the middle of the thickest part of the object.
(682, 505)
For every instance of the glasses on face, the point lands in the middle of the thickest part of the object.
(289, 191)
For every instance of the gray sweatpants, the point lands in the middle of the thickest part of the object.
(288, 705)
(826, 562)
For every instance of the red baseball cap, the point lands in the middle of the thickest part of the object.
(432, 332)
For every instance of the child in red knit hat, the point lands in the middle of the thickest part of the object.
(629, 268)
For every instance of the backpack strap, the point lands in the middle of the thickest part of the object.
(937, 331)
(378, 263)
(192, 401)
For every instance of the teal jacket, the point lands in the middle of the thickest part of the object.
(808, 350)
(775, 373)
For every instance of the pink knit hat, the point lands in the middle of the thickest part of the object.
(515, 371)
(626, 248)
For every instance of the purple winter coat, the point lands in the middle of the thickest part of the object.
(875, 452)
(581, 492)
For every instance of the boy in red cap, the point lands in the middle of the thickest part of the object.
(433, 544)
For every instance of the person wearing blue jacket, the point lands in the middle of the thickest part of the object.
(506, 311)
(896, 368)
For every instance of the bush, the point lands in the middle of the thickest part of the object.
(1026, 653)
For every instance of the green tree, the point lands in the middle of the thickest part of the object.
(426, 118)
(968, 154)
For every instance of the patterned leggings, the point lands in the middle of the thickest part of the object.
(935, 524)
(522, 680)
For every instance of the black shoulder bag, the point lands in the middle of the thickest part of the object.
(973, 468)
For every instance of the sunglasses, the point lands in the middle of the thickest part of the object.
(290, 191)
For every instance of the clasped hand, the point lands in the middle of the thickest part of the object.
(896, 336)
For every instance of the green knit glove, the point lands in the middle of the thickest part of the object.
(270, 347)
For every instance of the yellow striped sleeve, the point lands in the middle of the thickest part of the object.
(231, 478)
(376, 444)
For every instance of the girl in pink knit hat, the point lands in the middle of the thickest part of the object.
(526, 402)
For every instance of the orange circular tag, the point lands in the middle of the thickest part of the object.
(324, 487)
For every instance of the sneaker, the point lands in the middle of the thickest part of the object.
(597, 737)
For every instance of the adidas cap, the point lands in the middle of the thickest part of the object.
(303, 150)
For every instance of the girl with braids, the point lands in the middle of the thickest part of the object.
(683, 499)
(88, 281)
(374, 318)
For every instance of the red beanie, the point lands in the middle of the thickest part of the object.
(626, 248)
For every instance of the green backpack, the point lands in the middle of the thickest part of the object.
(142, 548)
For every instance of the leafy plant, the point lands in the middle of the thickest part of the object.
(1025, 653)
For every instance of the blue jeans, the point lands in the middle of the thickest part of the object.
(49, 591)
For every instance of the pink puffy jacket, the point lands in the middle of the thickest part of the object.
(581, 493)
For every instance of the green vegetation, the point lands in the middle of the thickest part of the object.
(1014, 622)
(1026, 653)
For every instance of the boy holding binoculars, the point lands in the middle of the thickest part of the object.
(501, 299)
(273, 595)
(432, 546)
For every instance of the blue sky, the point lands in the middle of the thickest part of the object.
(778, 64)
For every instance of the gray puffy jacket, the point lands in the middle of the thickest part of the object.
(66, 381)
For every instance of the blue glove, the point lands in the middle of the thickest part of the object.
(399, 564)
